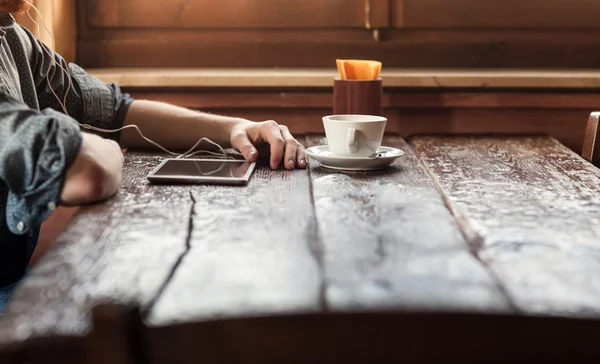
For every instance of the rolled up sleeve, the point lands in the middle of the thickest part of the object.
(104, 105)
(89, 100)
(36, 149)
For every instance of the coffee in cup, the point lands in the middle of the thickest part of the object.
(354, 135)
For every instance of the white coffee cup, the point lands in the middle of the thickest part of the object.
(354, 135)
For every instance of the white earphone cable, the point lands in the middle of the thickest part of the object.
(190, 152)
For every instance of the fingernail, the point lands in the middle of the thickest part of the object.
(302, 162)
(291, 163)
(252, 152)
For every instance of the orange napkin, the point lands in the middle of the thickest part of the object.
(356, 69)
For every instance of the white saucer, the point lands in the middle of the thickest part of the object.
(386, 156)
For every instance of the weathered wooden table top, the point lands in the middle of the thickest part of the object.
(470, 224)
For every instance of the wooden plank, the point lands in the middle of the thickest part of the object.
(534, 14)
(99, 12)
(529, 206)
(208, 14)
(566, 125)
(397, 13)
(116, 336)
(358, 338)
(591, 146)
(252, 250)
(563, 14)
(438, 78)
(109, 253)
(406, 48)
(203, 98)
(377, 14)
(253, 35)
(390, 242)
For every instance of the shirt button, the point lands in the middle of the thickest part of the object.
(20, 226)
(51, 206)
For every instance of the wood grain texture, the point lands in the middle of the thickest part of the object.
(313, 33)
(530, 208)
(253, 250)
(390, 242)
(377, 14)
(561, 14)
(392, 98)
(173, 77)
(357, 97)
(228, 14)
(566, 125)
(110, 253)
(98, 12)
(397, 13)
(407, 48)
(591, 145)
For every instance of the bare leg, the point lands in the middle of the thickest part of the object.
(51, 230)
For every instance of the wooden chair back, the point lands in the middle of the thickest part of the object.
(591, 144)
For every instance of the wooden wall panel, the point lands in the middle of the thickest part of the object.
(523, 14)
(102, 13)
(60, 18)
(416, 49)
(377, 13)
(562, 115)
(65, 28)
(313, 33)
(566, 125)
(227, 13)
(397, 13)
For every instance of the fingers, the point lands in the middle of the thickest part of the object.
(294, 151)
(284, 148)
(291, 148)
(301, 156)
(272, 135)
(241, 142)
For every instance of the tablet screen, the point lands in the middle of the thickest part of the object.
(200, 168)
(208, 171)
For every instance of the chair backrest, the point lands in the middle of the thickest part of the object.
(591, 145)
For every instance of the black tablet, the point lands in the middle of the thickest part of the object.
(203, 171)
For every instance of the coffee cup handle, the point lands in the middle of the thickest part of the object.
(352, 140)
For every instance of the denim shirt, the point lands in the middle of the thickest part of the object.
(38, 141)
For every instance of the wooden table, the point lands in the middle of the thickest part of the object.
(487, 231)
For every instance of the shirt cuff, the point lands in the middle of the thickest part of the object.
(105, 106)
(28, 210)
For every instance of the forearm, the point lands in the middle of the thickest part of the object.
(174, 127)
